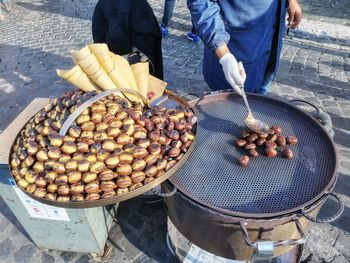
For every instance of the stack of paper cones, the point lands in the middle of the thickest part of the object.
(98, 68)
(117, 68)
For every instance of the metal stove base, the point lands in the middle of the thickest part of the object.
(187, 252)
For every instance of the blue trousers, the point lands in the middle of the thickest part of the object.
(168, 13)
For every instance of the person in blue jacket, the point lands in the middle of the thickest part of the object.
(243, 40)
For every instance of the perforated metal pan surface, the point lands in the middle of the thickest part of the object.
(268, 187)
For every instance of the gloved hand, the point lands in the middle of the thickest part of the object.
(234, 72)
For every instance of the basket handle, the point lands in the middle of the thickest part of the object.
(328, 219)
(265, 247)
(71, 118)
(171, 193)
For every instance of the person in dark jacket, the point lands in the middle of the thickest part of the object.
(242, 39)
(126, 25)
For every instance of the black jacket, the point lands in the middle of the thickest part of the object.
(124, 24)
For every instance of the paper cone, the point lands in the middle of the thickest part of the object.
(141, 75)
(92, 68)
(156, 87)
(123, 66)
(78, 78)
(81, 54)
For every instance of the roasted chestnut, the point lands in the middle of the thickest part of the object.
(112, 161)
(138, 176)
(148, 180)
(92, 187)
(125, 157)
(61, 179)
(291, 140)
(281, 140)
(139, 152)
(124, 181)
(270, 144)
(107, 175)
(135, 186)
(121, 191)
(54, 153)
(77, 198)
(74, 131)
(32, 148)
(63, 190)
(245, 134)
(241, 142)
(69, 147)
(170, 165)
(55, 139)
(74, 177)
(138, 165)
(52, 188)
(151, 170)
(244, 160)
(92, 197)
(77, 188)
(102, 126)
(97, 167)
(88, 126)
(154, 148)
(252, 137)
(108, 194)
(276, 129)
(63, 199)
(123, 139)
(42, 155)
(160, 173)
(272, 137)
(151, 158)
(260, 141)
(40, 192)
(107, 185)
(287, 153)
(250, 146)
(124, 169)
(144, 143)
(253, 153)
(83, 165)
(271, 152)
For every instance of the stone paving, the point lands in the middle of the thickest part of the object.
(35, 39)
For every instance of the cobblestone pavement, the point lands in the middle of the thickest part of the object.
(35, 39)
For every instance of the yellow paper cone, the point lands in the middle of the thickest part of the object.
(156, 87)
(92, 68)
(78, 78)
(123, 66)
(81, 53)
(141, 75)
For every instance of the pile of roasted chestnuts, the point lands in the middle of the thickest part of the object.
(266, 144)
(113, 147)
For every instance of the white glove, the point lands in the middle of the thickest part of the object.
(234, 72)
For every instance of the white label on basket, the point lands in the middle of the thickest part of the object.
(38, 210)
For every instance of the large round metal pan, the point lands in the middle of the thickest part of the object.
(170, 100)
(268, 187)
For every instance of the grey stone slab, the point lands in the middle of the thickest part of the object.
(46, 258)
(25, 253)
(6, 249)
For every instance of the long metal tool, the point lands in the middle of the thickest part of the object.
(252, 123)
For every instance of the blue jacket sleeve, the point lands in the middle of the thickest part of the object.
(208, 22)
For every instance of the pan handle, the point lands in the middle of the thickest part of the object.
(328, 219)
(273, 244)
(321, 115)
(171, 193)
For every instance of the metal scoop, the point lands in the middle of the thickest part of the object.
(250, 122)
